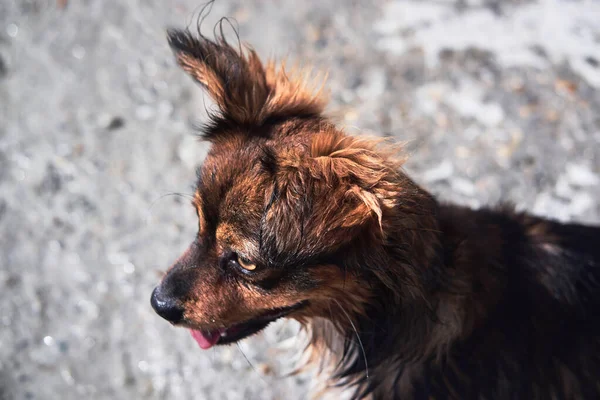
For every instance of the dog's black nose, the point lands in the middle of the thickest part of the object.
(166, 307)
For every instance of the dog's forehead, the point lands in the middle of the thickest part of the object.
(224, 166)
(231, 191)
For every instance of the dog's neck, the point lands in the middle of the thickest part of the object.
(400, 333)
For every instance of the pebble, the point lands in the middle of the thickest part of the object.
(191, 151)
(463, 186)
(144, 112)
(442, 172)
(12, 30)
(78, 52)
(581, 175)
(580, 203)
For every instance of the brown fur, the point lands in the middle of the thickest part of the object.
(403, 297)
(244, 90)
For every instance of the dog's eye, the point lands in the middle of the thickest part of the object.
(243, 263)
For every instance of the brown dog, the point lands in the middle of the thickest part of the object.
(297, 219)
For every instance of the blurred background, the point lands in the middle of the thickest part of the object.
(497, 101)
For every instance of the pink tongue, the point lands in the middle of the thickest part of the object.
(208, 339)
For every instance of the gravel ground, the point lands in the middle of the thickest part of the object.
(497, 101)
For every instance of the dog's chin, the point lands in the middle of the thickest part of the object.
(209, 338)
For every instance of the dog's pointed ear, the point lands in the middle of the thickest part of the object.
(235, 81)
(244, 90)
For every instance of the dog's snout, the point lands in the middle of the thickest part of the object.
(166, 307)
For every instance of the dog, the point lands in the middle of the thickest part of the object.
(403, 297)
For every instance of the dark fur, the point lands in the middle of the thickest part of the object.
(425, 300)
(532, 327)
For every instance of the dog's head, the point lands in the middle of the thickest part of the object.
(290, 209)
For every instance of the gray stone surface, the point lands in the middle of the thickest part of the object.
(497, 101)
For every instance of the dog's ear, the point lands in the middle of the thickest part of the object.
(245, 91)
(325, 197)
(367, 175)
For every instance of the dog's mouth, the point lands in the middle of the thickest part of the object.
(208, 339)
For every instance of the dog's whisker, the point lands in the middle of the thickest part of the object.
(155, 201)
(237, 344)
(362, 348)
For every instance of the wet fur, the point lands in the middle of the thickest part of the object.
(408, 298)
